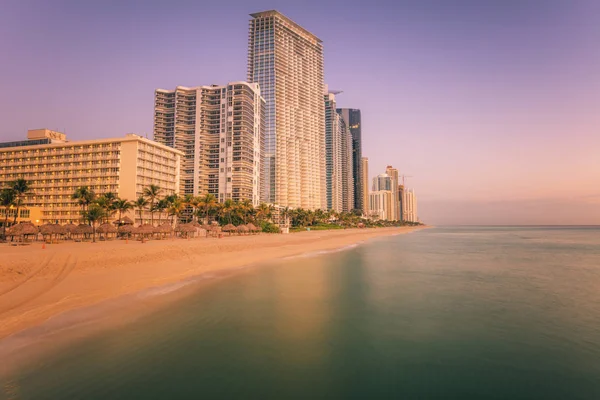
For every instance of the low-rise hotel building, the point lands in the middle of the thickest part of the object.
(55, 167)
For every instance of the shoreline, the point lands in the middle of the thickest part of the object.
(38, 285)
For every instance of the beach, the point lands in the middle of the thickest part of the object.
(37, 283)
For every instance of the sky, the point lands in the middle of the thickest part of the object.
(491, 107)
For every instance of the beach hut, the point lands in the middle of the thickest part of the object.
(144, 231)
(229, 228)
(123, 221)
(23, 230)
(50, 231)
(84, 231)
(185, 230)
(243, 229)
(252, 228)
(164, 229)
(126, 230)
(70, 229)
(107, 230)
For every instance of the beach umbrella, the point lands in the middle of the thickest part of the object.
(165, 228)
(23, 229)
(186, 228)
(84, 229)
(229, 228)
(106, 228)
(126, 229)
(47, 229)
(70, 228)
(252, 227)
(124, 221)
(243, 229)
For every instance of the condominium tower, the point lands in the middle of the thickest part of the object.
(220, 131)
(338, 157)
(393, 174)
(56, 167)
(364, 184)
(287, 61)
(351, 117)
(410, 208)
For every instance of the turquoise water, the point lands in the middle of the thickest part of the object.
(452, 313)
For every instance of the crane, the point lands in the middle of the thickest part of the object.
(405, 176)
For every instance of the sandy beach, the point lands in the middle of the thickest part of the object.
(36, 283)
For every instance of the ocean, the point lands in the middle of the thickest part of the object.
(442, 313)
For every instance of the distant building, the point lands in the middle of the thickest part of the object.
(410, 206)
(364, 183)
(220, 131)
(352, 119)
(124, 166)
(382, 182)
(333, 154)
(401, 202)
(380, 205)
(287, 61)
(393, 174)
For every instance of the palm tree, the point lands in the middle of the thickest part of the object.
(94, 214)
(208, 203)
(7, 200)
(161, 206)
(21, 188)
(84, 197)
(122, 206)
(141, 203)
(175, 208)
(152, 192)
(263, 212)
(246, 209)
(228, 208)
(286, 213)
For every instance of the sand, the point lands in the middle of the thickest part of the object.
(36, 283)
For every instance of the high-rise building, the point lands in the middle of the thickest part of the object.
(351, 117)
(401, 201)
(410, 206)
(333, 154)
(220, 131)
(286, 61)
(380, 205)
(364, 183)
(347, 167)
(382, 182)
(56, 167)
(393, 174)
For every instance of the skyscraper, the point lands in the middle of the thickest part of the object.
(364, 183)
(352, 118)
(220, 131)
(410, 209)
(333, 154)
(347, 170)
(393, 174)
(287, 62)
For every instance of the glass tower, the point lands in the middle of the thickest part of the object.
(287, 62)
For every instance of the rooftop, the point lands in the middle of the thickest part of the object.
(275, 13)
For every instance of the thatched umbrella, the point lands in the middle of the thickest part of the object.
(242, 229)
(164, 228)
(23, 229)
(83, 230)
(52, 230)
(124, 221)
(252, 227)
(106, 229)
(70, 229)
(186, 229)
(126, 229)
(144, 230)
(229, 228)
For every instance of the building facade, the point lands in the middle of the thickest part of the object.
(382, 182)
(410, 206)
(364, 183)
(286, 61)
(393, 174)
(220, 131)
(333, 154)
(347, 167)
(124, 166)
(380, 205)
(352, 119)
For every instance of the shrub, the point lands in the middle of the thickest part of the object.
(268, 227)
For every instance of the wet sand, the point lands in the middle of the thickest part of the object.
(37, 284)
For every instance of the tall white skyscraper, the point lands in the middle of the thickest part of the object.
(220, 131)
(286, 61)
